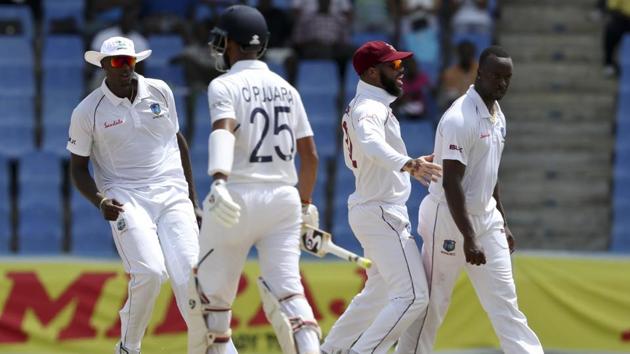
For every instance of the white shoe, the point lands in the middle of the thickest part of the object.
(120, 349)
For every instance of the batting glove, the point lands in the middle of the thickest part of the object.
(310, 215)
(220, 206)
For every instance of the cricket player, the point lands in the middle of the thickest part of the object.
(395, 293)
(258, 125)
(462, 220)
(128, 129)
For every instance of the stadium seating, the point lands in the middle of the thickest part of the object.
(16, 141)
(418, 137)
(40, 227)
(165, 48)
(624, 53)
(182, 111)
(17, 81)
(350, 83)
(278, 69)
(199, 160)
(90, 234)
(63, 51)
(22, 15)
(318, 77)
(55, 11)
(16, 52)
(40, 230)
(325, 135)
(343, 187)
(201, 123)
(321, 107)
(5, 206)
(17, 111)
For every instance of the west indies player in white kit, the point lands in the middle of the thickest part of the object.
(395, 293)
(258, 125)
(462, 220)
(128, 129)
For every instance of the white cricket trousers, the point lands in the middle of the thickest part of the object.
(156, 237)
(395, 293)
(444, 259)
(270, 220)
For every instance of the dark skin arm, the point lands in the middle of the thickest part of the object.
(308, 167)
(452, 183)
(83, 181)
(508, 234)
(187, 166)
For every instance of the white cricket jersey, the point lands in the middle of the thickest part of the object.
(469, 134)
(269, 118)
(373, 148)
(130, 144)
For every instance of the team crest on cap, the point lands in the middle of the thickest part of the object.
(255, 40)
(120, 45)
(155, 108)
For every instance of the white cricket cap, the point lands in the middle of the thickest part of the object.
(115, 46)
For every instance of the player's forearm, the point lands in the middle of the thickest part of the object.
(456, 201)
(187, 167)
(497, 196)
(83, 181)
(309, 162)
(383, 154)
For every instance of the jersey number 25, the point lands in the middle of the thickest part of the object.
(277, 129)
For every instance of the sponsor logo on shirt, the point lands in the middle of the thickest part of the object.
(455, 147)
(483, 136)
(72, 141)
(113, 123)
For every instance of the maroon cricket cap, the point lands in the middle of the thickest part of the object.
(375, 52)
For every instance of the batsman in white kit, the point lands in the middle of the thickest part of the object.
(395, 293)
(462, 221)
(258, 124)
(128, 129)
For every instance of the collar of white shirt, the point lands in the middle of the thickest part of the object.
(143, 91)
(377, 93)
(482, 109)
(249, 65)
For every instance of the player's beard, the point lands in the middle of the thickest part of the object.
(389, 84)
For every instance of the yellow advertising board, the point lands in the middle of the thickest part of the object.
(71, 306)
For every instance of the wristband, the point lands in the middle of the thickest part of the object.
(100, 204)
(306, 201)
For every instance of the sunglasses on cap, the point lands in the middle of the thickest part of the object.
(119, 61)
(395, 64)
